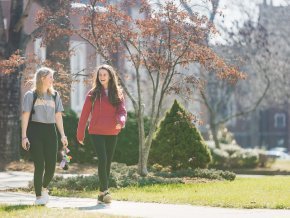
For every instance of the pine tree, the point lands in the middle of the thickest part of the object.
(178, 143)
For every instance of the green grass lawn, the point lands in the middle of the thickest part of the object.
(263, 192)
(33, 211)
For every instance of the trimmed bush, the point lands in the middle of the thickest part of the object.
(177, 142)
(234, 156)
(191, 173)
(121, 176)
(220, 158)
(127, 150)
(124, 176)
(231, 148)
(245, 158)
(265, 160)
(231, 155)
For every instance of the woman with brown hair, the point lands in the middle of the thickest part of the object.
(105, 103)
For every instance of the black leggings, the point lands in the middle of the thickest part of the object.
(105, 147)
(43, 149)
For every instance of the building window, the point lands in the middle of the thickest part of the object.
(78, 66)
(280, 120)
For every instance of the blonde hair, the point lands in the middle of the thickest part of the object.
(38, 84)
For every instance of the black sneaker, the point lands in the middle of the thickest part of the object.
(105, 198)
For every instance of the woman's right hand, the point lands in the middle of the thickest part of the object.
(25, 144)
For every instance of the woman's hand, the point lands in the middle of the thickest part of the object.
(64, 141)
(118, 126)
(25, 144)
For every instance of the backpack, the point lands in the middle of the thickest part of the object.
(34, 100)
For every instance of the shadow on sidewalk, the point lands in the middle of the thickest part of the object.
(95, 207)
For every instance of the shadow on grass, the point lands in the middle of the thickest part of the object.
(9, 208)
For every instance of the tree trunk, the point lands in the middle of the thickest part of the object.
(144, 143)
(214, 132)
(9, 117)
(2, 34)
(10, 91)
(142, 163)
(147, 147)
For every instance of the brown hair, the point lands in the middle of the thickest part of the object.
(114, 90)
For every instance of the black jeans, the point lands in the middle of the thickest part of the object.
(105, 147)
(43, 149)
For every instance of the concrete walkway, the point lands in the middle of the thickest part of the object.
(11, 179)
(132, 209)
(16, 179)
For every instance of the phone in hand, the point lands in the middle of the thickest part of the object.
(27, 146)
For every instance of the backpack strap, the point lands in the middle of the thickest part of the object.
(54, 96)
(33, 102)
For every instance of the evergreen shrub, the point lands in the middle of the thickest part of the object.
(178, 143)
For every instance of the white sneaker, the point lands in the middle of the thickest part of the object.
(40, 201)
(45, 195)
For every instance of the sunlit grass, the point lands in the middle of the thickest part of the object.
(265, 192)
(39, 211)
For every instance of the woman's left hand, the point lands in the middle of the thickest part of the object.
(64, 141)
(118, 126)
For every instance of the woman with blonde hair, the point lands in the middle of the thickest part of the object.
(42, 109)
(105, 103)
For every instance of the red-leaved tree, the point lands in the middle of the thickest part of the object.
(14, 63)
(157, 45)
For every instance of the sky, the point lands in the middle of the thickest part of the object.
(233, 11)
(236, 10)
(240, 11)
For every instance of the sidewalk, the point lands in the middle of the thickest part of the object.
(16, 179)
(132, 209)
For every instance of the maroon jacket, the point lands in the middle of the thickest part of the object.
(104, 117)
